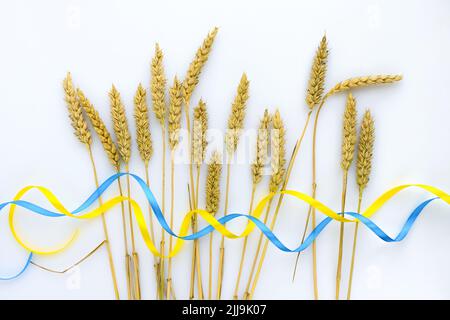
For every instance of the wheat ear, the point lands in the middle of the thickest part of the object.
(120, 124)
(143, 135)
(237, 115)
(359, 82)
(316, 82)
(200, 126)
(193, 73)
(363, 169)
(75, 112)
(174, 117)
(100, 129)
(347, 155)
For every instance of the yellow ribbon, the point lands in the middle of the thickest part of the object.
(370, 211)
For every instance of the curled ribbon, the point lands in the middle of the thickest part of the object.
(213, 223)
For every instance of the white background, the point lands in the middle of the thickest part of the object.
(105, 42)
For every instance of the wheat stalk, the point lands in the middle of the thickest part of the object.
(174, 117)
(100, 129)
(212, 203)
(262, 144)
(278, 162)
(316, 82)
(143, 135)
(237, 115)
(190, 82)
(235, 125)
(158, 90)
(347, 155)
(193, 73)
(363, 169)
(123, 137)
(75, 112)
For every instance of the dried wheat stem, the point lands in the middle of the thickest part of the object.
(262, 144)
(348, 151)
(364, 167)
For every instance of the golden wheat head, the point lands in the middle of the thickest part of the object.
(236, 119)
(213, 183)
(158, 86)
(195, 68)
(120, 124)
(199, 142)
(143, 135)
(174, 113)
(359, 82)
(316, 82)
(262, 144)
(78, 122)
(349, 133)
(100, 129)
(365, 150)
(278, 159)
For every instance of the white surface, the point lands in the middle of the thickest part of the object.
(102, 42)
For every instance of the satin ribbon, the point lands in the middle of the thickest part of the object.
(214, 224)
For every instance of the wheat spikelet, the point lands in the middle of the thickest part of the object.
(278, 160)
(236, 119)
(195, 68)
(199, 142)
(213, 183)
(120, 124)
(365, 150)
(75, 112)
(143, 135)
(349, 133)
(316, 82)
(363, 82)
(174, 113)
(100, 129)
(262, 144)
(158, 86)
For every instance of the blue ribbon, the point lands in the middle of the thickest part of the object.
(208, 229)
